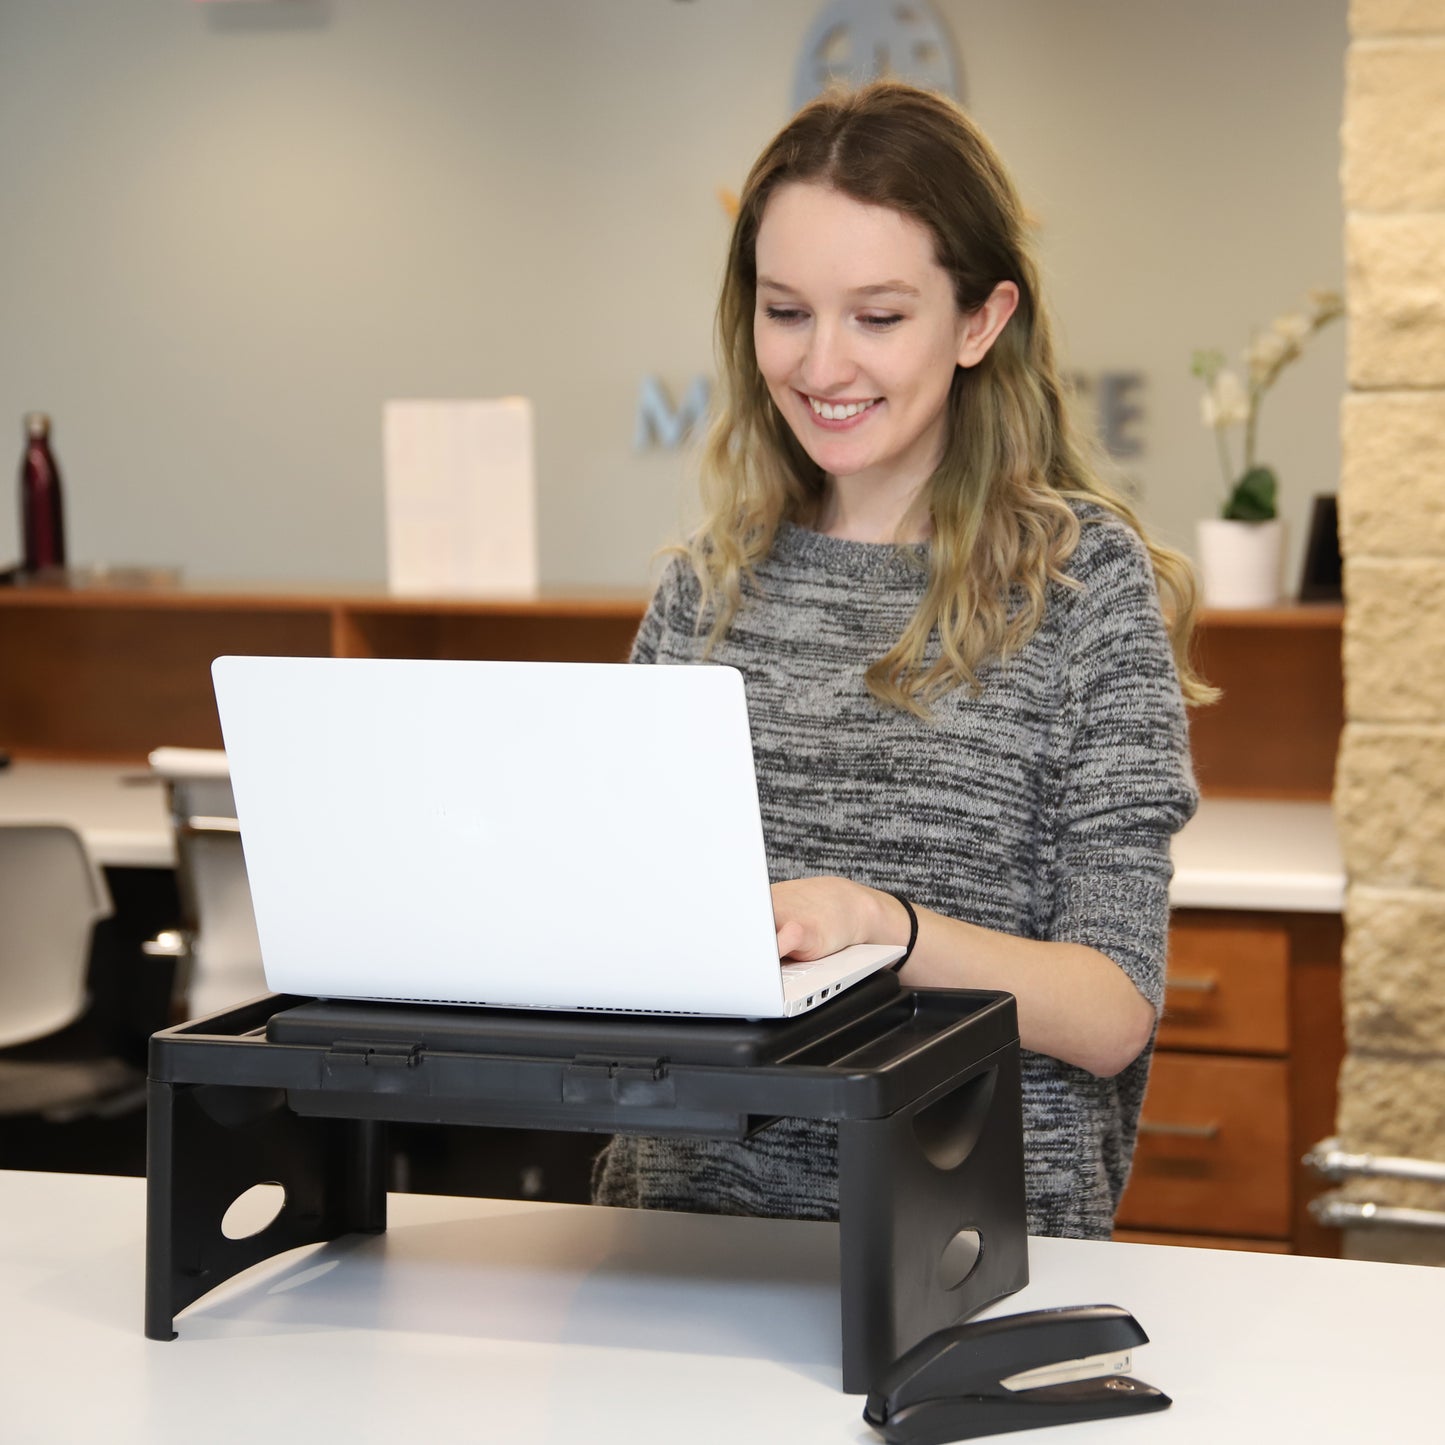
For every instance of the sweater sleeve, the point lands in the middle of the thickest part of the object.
(1128, 785)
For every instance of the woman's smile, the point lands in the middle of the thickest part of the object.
(840, 415)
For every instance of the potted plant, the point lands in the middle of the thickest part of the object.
(1241, 551)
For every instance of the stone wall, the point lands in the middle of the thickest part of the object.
(1390, 787)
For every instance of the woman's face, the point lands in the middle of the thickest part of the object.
(857, 334)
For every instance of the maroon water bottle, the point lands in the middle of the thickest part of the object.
(42, 521)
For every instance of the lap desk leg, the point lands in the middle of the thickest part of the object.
(932, 1221)
(208, 1144)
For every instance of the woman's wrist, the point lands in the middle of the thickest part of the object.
(891, 921)
(912, 913)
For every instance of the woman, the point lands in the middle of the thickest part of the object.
(965, 666)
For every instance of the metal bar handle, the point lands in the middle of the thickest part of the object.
(1334, 1163)
(1345, 1214)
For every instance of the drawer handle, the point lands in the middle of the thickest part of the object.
(1179, 1131)
(1185, 983)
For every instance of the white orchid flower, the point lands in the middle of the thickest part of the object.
(1293, 327)
(1229, 401)
(1267, 353)
(1226, 403)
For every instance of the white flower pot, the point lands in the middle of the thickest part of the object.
(1241, 563)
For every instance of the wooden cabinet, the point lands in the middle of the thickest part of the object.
(1276, 730)
(1249, 1048)
(104, 673)
(1243, 1082)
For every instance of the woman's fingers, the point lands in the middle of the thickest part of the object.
(813, 917)
(799, 944)
(791, 941)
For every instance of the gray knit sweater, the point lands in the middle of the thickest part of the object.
(1042, 807)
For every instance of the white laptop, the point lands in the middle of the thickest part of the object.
(518, 834)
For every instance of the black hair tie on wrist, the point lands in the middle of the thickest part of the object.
(912, 927)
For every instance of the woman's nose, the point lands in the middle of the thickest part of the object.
(826, 364)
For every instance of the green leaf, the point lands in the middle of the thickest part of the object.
(1206, 364)
(1253, 497)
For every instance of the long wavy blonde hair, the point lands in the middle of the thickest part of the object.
(997, 504)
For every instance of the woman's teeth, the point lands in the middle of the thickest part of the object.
(841, 412)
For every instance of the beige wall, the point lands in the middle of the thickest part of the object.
(1390, 791)
(228, 233)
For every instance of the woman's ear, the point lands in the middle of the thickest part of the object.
(980, 329)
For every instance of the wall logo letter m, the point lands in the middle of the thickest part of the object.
(658, 422)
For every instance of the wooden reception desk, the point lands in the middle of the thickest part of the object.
(99, 672)
(103, 673)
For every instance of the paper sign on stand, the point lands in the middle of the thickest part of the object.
(461, 505)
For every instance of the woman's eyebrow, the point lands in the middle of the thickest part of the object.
(888, 288)
(880, 288)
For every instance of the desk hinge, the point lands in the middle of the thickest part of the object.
(604, 1079)
(376, 1056)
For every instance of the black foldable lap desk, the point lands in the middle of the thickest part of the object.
(922, 1084)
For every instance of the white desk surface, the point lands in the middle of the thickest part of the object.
(475, 1320)
(1234, 854)
(120, 811)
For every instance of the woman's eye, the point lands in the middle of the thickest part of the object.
(783, 313)
(880, 323)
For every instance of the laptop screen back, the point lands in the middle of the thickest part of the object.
(554, 835)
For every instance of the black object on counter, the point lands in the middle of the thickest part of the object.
(1322, 574)
(42, 517)
(950, 1386)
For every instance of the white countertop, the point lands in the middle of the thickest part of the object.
(120, 811)
(1238, 853)
(1233, 854)
(479, 1320)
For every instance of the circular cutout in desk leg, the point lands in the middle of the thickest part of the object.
(253, 1211)
(959, 1257)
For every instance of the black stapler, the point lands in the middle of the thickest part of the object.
(1017, 1372)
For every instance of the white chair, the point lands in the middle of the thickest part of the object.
(51, 897)
(219, 953)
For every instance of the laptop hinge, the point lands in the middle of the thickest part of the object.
(605, 1079)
